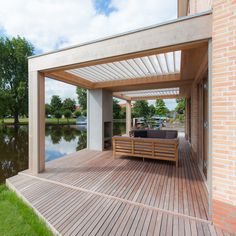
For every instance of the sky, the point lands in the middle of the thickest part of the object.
(54, 24)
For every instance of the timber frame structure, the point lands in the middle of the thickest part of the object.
(190, 34)
(178, 58)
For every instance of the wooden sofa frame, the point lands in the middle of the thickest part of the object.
(161, 149)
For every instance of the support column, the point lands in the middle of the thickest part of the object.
(36, 122)
(100, 118)
(128, 117)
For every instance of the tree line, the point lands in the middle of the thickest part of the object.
(140, 108)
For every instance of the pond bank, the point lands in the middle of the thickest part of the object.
(17, 218)
(49, 121)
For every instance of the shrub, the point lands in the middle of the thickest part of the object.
(58, 115)
(67, 114)
(77, 113)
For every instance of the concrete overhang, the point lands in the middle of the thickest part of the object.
(179, 34)
(155, 57)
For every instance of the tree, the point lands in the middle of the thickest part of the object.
(152, 110)
(55, 104)
(77, 113)
(58, 115)
(141, 109)
(161, 109)
(67, 114)
(116, 109)
(84, 113)
(47, 109)
(82, 98)
(69, 104)
(180, 108)
(14, 74)
(4, 110)
(123, 113)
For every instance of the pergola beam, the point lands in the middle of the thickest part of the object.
(202, 71)
(137, 81)
(154, 85)
(121, 96)
(154, 97)
(70, 78)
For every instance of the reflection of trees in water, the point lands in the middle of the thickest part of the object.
(56, 133)
(14, 144)
(14, 150)
(82, 140)
(68, 133)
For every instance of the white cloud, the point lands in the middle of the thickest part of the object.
(53, 87)
(53, 24)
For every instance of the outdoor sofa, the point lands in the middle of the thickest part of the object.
(154, 144)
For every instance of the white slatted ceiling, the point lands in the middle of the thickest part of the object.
(151, 93)
(161, 64)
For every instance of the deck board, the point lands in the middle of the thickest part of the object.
(89, 193)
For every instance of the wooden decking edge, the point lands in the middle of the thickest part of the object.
(50, 226)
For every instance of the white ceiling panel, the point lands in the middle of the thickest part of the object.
(151, 93)
(154, 65)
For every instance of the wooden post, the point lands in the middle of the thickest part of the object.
(128, 117)
(114, 148)
(36, 122)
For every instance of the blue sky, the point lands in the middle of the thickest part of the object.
(104, 7)
(50, 24)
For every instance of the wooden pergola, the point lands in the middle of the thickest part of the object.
(161, 61)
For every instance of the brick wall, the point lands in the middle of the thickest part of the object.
(196, 6)
(224, 114)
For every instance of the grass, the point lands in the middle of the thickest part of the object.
(16, 218)
(51, 121)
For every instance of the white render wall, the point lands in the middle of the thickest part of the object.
(99, 109)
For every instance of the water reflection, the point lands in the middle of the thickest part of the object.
(63, 140)
(13, 150)
(59, 141)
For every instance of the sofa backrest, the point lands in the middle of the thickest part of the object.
(140, 133)
(156, 134)
(161, 134)
(171, 134)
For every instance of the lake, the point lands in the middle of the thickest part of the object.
(60, 140)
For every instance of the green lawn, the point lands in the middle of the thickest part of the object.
(16, 218)
(24, 121)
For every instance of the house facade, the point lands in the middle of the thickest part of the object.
(223, 107)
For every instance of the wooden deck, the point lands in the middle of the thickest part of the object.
(89, 193)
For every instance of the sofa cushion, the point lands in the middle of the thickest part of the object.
(170, 134)
(160, 134)
(140, 133)
(156, 134)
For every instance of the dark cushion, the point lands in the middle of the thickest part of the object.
(156, 134)
(161, 134)
(140, 133)
(171, 134)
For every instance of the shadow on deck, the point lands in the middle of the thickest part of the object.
(90, 193)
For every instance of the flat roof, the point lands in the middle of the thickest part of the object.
(124, 33)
